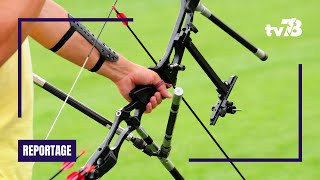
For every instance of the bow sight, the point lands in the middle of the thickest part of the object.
(105, 156)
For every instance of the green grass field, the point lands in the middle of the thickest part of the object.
(266, 91)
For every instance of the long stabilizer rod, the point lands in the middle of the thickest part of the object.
(76, 104)
(207, 13)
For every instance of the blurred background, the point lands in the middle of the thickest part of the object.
(267, 92)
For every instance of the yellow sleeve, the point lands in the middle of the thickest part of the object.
(13, 128)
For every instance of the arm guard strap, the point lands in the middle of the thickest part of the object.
(106, 53)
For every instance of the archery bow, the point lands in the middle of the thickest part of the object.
(169, 71)
(179, 41)
(105, 158)
(87, 169)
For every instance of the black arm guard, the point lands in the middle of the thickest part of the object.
(105, 52)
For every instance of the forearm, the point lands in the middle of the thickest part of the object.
(10, 12)
(77, 48)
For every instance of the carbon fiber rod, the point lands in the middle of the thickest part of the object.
(166, 143)
(208, 14)
(165, 161)
(79, 106)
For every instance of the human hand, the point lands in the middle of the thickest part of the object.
(143, 76)
(127, 75)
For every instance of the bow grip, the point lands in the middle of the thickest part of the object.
(142, 93)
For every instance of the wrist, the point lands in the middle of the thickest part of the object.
(116, 71)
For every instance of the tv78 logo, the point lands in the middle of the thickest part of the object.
(293, 28)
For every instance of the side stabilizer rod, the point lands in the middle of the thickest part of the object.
(262, 55)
